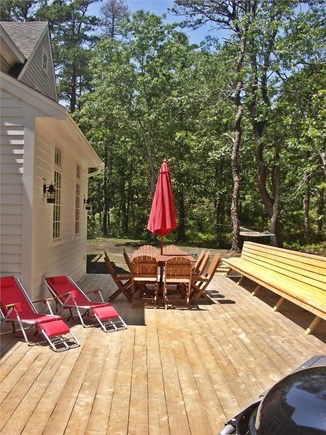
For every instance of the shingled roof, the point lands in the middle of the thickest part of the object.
(24, 35)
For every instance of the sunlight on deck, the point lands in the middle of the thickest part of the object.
(172, 371)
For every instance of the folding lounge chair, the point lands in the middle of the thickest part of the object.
(67, 294)
(18, 309)
(201, 282)
(123, 281)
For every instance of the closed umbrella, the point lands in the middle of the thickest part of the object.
(162, 218)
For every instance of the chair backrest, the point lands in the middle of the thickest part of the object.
(199, 261)
(213, 266)
(147, 250)
(12, 292)
(127, 259)
(178, 268)
(59, 286)
(144, 266)
(110, 267)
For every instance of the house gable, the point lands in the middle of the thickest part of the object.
(35, 68)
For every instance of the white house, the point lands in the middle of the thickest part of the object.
(40, 146)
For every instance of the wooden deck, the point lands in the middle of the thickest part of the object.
(171, 372)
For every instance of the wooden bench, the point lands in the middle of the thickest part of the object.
(295, 276)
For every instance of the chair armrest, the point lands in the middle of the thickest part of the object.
(99, 291)
(93, 291)
(45, 300)
(11, 305)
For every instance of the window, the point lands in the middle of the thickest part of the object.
(57, 157)
(57, 206)
(77, 209)
(45, 61)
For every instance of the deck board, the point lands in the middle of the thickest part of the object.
(171, 372)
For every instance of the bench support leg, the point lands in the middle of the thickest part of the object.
(256, 290)
(279, 303)
(240, 280)
(312, 325)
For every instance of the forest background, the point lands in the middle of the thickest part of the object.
(240, 119)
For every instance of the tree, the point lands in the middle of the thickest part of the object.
(233, 16)
(256, 28)
(73, 36)
(115, 14)
(18, 10)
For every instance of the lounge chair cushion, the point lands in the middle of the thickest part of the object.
(7, 281)
(54, 328)
(59, 280)
(105, 312)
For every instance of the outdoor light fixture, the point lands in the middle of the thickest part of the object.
(88, 205)
(49, 193)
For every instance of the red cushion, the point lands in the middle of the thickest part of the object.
(7, 281)
(58, 279)
(105, 312)
(52, 329)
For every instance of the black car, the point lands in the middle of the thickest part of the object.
(296, 405)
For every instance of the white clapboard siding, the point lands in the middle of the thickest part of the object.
(34, 75)
(11, 169)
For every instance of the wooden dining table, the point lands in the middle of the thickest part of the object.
(169, 251)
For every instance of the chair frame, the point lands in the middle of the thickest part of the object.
(51, 326)
(92, 309)
(200, 282)
(177, 271)
(144, 271)
(123, 287)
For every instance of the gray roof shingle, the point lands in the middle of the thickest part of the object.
(24, 35)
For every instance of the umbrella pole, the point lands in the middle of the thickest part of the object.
(161, 245)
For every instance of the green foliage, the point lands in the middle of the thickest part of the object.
(155, 96)
(151, 95)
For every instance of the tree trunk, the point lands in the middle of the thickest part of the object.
(306, 209)
(235, 174)
(106, 217)
(181, 224)
(73, 89)
(320, 213)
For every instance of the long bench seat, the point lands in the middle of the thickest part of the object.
(296, 276)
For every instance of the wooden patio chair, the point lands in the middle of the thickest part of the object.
(144, 273)
(127, 259)
(17, 309)
(200, 282)
(177, 281)
(122, 281)
(201, 263)
(69, 296)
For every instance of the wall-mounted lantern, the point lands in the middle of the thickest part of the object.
(88, 205)
(49, 193)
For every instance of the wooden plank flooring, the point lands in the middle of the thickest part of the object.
(171, 372)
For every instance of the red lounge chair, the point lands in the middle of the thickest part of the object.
(17, 308)
(67, 293)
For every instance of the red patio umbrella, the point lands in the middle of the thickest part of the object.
(162, 218)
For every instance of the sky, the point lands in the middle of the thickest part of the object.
(160, 7)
